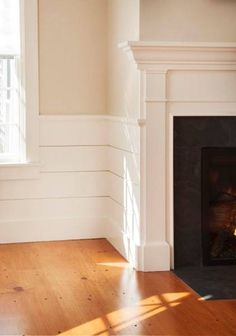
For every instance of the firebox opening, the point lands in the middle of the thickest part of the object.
(219, 205)
(205, 204)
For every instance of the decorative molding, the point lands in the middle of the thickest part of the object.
(186, 101)
(156, 60)
(122, 120)
(87, 117)
(147, 54)
(73, 117)
(174, 45)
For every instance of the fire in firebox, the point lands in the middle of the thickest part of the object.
(219, 205)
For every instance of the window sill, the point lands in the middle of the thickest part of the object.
(19, 171)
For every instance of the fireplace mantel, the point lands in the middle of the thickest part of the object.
(176, 79)
(170, 55)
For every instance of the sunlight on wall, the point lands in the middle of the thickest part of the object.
(124, 164)
(131, 227)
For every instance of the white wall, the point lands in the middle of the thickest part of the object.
(73, 56)
(188, 20)
(123, 80)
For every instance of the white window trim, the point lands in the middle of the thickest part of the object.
(29, 167)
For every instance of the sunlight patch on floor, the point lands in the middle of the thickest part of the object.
(170, 297)
(129, 316)
(97, 326)
(115, 264)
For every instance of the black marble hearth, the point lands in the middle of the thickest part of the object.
(212, 282)
(191, 136)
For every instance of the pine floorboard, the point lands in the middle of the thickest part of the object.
(85, 287)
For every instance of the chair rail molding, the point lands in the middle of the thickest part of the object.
(176, 79)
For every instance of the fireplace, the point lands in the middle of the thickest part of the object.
(204, 191)
(176, 81)
(218, 205)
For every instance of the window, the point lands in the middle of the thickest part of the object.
(9, 81)
(9, 110)
(19, 138)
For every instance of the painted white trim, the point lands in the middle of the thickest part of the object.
(163, 56)
(100, 117)
(74, 158)
(155, 60)
(73, 190)
(59, 204)
(73, 131)
(28, 167)
(19, 171)
(49, 229)
(57, 185)
(154, 256)
(179, 45)
(180, 101)
(72, 117)
(123, 120)
(147, 258)
(30, 78)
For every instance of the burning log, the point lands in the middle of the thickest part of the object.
(223, 222)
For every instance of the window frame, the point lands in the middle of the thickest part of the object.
(28, 167)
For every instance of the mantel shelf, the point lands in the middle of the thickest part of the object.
(172, 55)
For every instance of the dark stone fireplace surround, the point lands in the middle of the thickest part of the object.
(191, 134)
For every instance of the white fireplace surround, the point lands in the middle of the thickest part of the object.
(176, 79)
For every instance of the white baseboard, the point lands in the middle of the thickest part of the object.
(155, 257)
(146, 258)
(52, 229)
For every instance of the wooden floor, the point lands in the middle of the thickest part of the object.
(86, 288)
